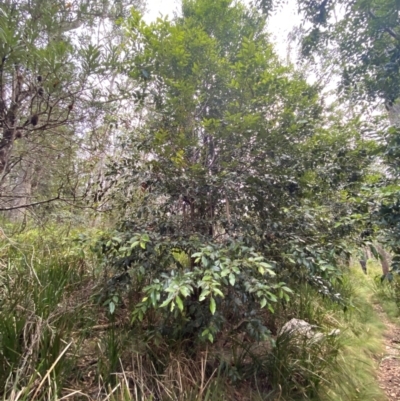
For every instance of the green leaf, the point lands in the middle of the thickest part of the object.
(154, 296)
(266, 265)
(111, 306)
(179, 303)
(185, 291)
(203, 295)
(217, 291)
(232, 279)
(213, 305)
(207, 334)
(166, 303)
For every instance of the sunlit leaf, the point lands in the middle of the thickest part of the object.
(179, 303)
(213, 305)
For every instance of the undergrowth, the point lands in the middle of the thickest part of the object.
(57, 342)
(386, 292)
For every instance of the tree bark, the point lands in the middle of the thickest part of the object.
(385, 259)
(394, 114)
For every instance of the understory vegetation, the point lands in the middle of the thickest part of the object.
(184, 213)
(58, 341)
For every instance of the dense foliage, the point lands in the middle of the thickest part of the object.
(237, 185)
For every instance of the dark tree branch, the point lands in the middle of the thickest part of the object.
(390, 31)
(4, 209)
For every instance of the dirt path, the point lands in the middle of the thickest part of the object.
(389, 364)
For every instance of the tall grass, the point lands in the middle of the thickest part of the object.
(39, 287)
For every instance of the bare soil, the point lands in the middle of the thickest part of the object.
(389, 364)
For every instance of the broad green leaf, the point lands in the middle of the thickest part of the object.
(266, 265)
(179, 303)
(185, 291)
(203, 295)
(166, 303)
(217, 291)
(213, 305)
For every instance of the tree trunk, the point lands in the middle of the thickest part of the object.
(394, 114)
(385, 259)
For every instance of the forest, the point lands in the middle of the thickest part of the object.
(186, 215)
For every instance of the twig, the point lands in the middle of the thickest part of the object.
(50, 370)
(3, 209)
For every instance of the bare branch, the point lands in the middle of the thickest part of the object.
(4, 209)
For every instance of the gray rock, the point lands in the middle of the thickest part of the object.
(298, 327)
(301, 329)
